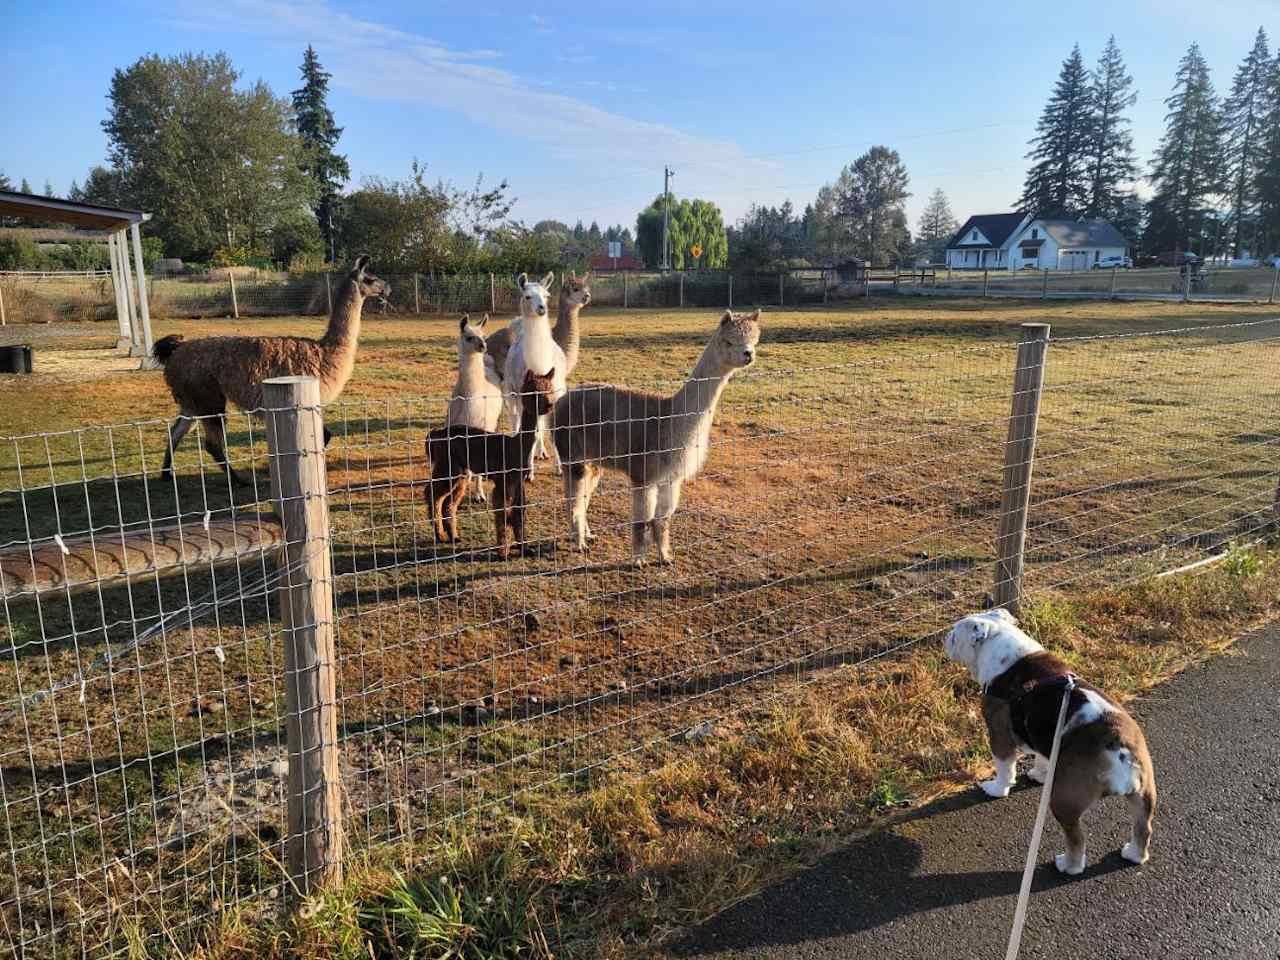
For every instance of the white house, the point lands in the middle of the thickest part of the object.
(1012, 241)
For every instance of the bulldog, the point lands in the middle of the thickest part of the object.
(1103, 752)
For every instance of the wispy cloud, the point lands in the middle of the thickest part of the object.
(540, 23)
(381, 62)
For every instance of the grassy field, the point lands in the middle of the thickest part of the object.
(847, 511)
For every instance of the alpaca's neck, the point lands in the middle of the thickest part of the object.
(565, 332)
(527, 431)
(701, 392)
(471, 367)
(344, 321)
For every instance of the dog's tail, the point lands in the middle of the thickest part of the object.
(165, 347)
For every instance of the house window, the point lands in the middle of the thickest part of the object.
(974, 238)
(1035, 234)
(1030, 253)
(1096, 254)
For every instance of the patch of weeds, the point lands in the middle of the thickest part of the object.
(1242, 562)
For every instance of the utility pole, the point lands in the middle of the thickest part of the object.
(667, 174)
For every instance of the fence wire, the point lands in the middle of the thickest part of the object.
(845, 512)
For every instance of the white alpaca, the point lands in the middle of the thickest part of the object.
(536, 351)
(476, 400)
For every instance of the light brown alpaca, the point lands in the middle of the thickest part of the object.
(204, 374)
(658, 442)
(575, 293)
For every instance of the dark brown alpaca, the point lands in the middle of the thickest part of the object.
(460, 450)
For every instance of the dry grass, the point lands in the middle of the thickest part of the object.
(847, 511)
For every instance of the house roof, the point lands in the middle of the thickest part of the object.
(1034, 244)
(996, 227)
(68, 211)
(1084, 233)
(600, 261)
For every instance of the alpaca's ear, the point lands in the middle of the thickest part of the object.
(728, 316)
(483, 321)
(466, 319)
(549, 279)
(361, 265)
(522, 280)
(756, 316)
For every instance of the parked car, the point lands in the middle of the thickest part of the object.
(1176, 258)
(1113, 261)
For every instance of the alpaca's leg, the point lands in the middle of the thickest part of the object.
(668, 500)
(436, 494)
(540, 439)
(575, 501)
(477, 489)
(180, 428)
(515, 510)
(215, 441)
(644, 503)
(594, 474)
(456, 492)
(501, 513)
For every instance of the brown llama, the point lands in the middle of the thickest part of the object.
(459, 451)
(204, 374)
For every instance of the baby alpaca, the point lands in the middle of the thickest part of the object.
(459, 451)
(534, 350)
(204, 374)
(658, 442)
(1102, 752)
(477, 394)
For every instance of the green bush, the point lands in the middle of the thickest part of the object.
(20, 253)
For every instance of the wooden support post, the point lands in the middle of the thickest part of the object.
(235, 301)
(295, 444)
(328, 292)
(1019, 455)
(1113, 282)
(144, 305)
(682, 289)
(624, 289)
(986, 280)
(781, 290)
(125, 339)
(493, 295)
(1044, 284)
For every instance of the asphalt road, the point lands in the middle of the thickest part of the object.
(943, 884)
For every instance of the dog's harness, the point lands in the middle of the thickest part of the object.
(1012, 693)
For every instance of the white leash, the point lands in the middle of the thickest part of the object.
(1033, 854)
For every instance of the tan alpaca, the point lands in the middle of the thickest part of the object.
(476, 400)
(658, 442)
(204, 374)
(575, 293)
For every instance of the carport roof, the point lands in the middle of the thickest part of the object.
(92, 215)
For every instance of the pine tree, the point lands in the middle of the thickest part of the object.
(1187, 169)
(1057, 184)
(25, 187)
(1109, 147)
(1243, 113)
(1267, 181)
(327, 169)
(937, 224)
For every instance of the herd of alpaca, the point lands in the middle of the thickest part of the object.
(656, 442)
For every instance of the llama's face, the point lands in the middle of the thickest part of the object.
(366, 282)
(540, 390)
(736, 339)
(534, 295)
(472, 338)
(576, 289)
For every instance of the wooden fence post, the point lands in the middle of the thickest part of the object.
(1186, 282)
(417, 302)
(295, 444)
(1019, 455)
(4, 322)
(493, 295)
(731, 291)
(1113, 282)
(328, 292)
(624, 288)
(1275, 282)
(824, 286)
(1044, 284)
(781, 290)
(235, 303)
(986, 280)
(682, 289)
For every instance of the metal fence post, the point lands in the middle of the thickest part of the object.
(328, 292)
(1044, 283)
(824, 287)
(682, 289)
(1113, 282)
(417, 302)
(781, 296)
(493, 295)
(731, 291)
(624, 288)
(1186, 282)
(1019, 455)
(235, 302)
(295, 443)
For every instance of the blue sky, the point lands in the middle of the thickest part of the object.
(579, 105)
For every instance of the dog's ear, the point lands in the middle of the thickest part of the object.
(981, 630)
(1000, 613)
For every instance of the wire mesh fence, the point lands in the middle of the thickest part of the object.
(845, 512)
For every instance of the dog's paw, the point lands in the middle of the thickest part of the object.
(1131, 852)
(1065, 865)
(1039, 772)
(995, 789)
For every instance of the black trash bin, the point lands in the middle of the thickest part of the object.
(15, 359)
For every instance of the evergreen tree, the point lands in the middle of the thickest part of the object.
(1243, 114)
(1109, 146)
(937, 224)
(1187, 169)
(1268, 178)
(25, 187)
(326, 168)
(1057, 185)
(4, 182)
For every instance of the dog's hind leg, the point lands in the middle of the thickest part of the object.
(1069, 802)
(1040, 769)
(1142, 805)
